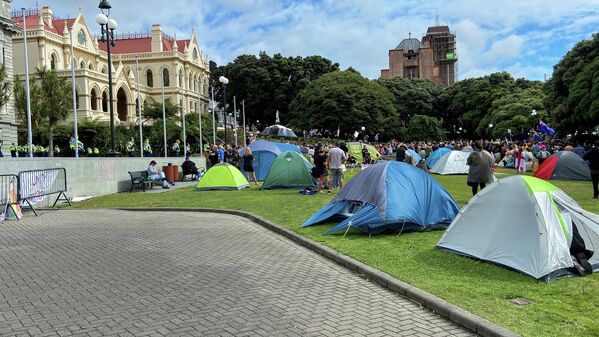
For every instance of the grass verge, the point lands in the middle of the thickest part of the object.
(567, 307)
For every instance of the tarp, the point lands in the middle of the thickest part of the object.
(453, 162)
(223, 176)
(355, 150)
(279, 130)
(565, 165)
(436, 155)
(264, 153)
(290, 169)
(533, 237)
(389, 196)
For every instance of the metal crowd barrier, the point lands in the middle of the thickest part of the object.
(8, 195)
(34, 185)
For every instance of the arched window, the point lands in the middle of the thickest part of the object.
(105, 101)
(82, 64)
(94, 100)
(90, 67)
(166, 77)
(77, 98)
(103, 70)
(190, 83)
(53, 62)
(149, 78)
(180, 79)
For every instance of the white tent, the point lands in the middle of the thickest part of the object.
(527, 224)
(453, 162)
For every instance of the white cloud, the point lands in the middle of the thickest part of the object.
(523, 36)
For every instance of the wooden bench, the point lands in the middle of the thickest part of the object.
(139, 180)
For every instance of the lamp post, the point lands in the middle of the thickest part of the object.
(27, 92)
(107, 27)
(224, 81)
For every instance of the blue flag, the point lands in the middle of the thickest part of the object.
(546, 129)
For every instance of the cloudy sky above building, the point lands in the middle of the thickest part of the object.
(525, 38)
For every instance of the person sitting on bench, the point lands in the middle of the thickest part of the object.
(154, 174)
(189, 167)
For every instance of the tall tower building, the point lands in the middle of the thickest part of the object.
(433, 57)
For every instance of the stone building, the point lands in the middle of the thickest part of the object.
(8, 127)
(434, 57)
(179, 63)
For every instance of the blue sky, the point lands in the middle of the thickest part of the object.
(523, 37)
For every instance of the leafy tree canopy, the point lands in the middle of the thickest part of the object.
(345, 100)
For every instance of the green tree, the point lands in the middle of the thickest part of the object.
(425, 128)
(268, 84)
(53, 100)
(152, 109)
(413, 97)
(21, 102)
(512, 111)
(346, 100)
(572, 90)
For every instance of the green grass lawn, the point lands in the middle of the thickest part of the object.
(566, 307)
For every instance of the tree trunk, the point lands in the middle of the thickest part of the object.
(51, 140)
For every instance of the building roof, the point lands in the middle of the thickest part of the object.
(142, 45)
(437, 29)
(409, 44)
(32, 20)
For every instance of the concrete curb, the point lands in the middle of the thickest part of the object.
(474, 323)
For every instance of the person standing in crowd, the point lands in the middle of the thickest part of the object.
(593, 157)
(400, 154)
(147, 148)
(176, 148)
(320, 167)
(221, 153)
(519, 160)
(481, 168)
(335, 161)
(248, 165)
(542, 154)
(130, 147)
(213, 157)
(13, 150)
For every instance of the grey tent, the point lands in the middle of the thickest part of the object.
(279, 130)
(539, 234)
(565, 165)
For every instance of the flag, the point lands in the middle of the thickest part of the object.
(546, 128)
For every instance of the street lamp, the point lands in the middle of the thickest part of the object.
(224, 81)
(107, 27)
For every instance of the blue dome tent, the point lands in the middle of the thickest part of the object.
(389, 196)
(415, 156)
(265, 153)
(436, 155)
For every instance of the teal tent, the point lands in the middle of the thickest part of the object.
(290, 169)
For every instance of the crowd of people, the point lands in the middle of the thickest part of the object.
(332, 159)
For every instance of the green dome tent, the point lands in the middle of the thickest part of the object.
(355, 150)
(290, 169)
(223, 177)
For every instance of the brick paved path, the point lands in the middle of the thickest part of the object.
(117, 273)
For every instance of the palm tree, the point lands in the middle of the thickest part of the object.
(54, 100)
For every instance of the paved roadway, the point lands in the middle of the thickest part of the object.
(118, 273)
